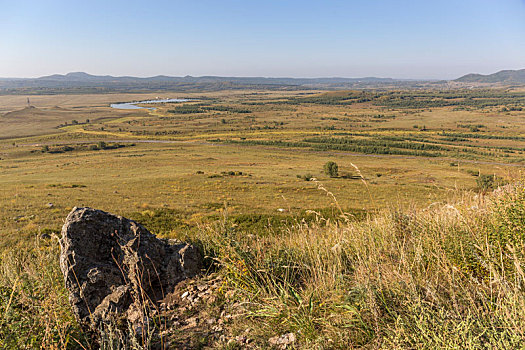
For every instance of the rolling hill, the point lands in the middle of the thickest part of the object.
(80, 82)
(501, 77)
(83, 81)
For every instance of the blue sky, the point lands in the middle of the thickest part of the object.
(401, 39)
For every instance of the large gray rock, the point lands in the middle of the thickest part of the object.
(115, 270)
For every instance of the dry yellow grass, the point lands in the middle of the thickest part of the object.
(432, 263)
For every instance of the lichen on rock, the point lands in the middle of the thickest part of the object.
(115, 270)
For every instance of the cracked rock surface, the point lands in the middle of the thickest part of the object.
(115, 270)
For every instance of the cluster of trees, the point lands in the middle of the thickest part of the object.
(226, 109)
(383, 116)
(201, 108)
(419, 99)
(101, 145)
(379, 143)
(61, 149)
(512, 108)
(482, 136)
(156, 133)
(395, 145)
(429, 99)
(347, 98)
(472, 127)
(186, 109)
(366, 149)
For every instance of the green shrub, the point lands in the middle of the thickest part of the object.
(509, 219)
(487, 182)
(331, 169)
(306, 177)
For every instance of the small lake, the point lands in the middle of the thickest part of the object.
(133, 105)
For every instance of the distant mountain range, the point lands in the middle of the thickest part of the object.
(85, 78)
(79, 82)
(501, 77)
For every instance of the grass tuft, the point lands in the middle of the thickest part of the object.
(445, 276)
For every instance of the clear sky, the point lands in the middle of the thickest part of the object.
(296, 38)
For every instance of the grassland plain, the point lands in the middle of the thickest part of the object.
(230, 165)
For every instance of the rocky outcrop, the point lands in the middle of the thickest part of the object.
(115, 270)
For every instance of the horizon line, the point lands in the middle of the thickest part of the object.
(228, 76)
(255, 76)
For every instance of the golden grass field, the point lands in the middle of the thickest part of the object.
(413, 244)
(177, 159)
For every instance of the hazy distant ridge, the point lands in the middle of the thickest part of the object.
(80, 82)
(84, 77)
(504, 77)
